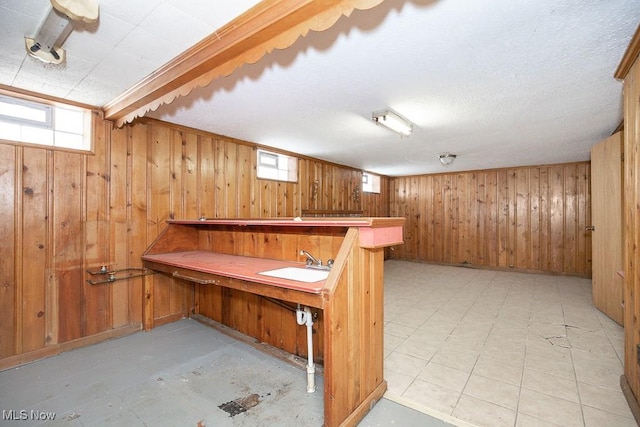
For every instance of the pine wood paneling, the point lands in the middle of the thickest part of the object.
(118, 213)
(138, 199)
(632, 226)
(34, 242)
(69, 171)
(527, 218)
(606, 189)
(64, 213)
(9, 210)
(98, 299)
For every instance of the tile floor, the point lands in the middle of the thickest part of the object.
(493, 348)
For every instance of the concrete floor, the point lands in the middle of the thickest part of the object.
(180, 374)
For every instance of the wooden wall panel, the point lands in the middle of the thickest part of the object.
(69, 169)
(118, 214)
(527, 218)
(632, 227)
(66, 213)
(63, 213)
(9, 211)
(98, 301)
(34, 243)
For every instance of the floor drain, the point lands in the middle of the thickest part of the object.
(241, 405)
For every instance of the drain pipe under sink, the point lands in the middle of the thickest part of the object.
(304, 317)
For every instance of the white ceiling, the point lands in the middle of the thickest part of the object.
(498, 82)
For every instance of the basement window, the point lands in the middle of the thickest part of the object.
(45, 124)
(370, 183)
(276, 166)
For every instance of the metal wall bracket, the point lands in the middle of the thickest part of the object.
(120, 274)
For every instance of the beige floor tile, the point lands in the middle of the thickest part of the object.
(462, 344)
(556, 367)
(433, 396)
(547, 330)
(398, 329)
(605, 399)
(507, 329)
(455, 359)
(493, 391)
(524, 420)
(397, 383)
(550, 384)
(594, 342)
(594, 417)
(512, 327)
(435, 329)
(403, 363)
(483, 414)
(548, 316)
(498, 371)
(550, 408)
(516, 313)
(444, 376)
(411, 317)
(506, 356)
(417, 347)
(391, 341)
(474, 327)
(597, 370)
(586, 319)
(512, 342)
(549, 348)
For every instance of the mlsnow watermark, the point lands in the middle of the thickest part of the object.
(24, 415)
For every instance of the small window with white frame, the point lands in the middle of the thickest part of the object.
(45, 124)
(370, 183)
(279, 167)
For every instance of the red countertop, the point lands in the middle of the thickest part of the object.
(298, 222)
(237, 267)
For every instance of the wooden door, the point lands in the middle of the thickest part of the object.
(606, 215)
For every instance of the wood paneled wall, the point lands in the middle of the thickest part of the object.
(63, 213)
(631, 208)
(526, 218)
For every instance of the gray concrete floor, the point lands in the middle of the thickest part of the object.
(180, 374)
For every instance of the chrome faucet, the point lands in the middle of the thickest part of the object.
(311, 260)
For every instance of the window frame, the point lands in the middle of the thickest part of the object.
(372, 187)
(281, 165)
(49, 125)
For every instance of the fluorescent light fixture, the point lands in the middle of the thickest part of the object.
(447, 158)
(46, 45)
(394, 121)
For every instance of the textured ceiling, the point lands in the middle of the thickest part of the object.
(498, 82)
(130, 40)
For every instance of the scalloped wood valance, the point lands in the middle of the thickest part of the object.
(271, 24)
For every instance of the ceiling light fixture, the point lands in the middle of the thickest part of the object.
(394, 121)
(46, 45)
(447, 158)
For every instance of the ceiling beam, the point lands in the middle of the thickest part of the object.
(271, 24)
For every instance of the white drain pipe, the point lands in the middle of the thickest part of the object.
(304, 317)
